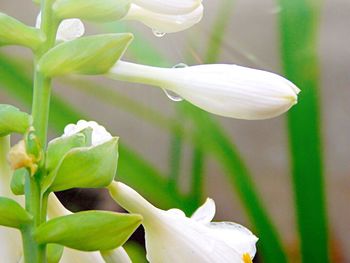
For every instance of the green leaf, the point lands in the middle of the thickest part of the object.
(89, 167)
(93, 10)
(13, 120)
(14, 32)
(54, 253)
(12, 214)
(17, 181)
(58, 147)
(299, 24)
(90, 55)
(92, 230)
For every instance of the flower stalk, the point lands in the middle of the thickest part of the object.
(34, 253)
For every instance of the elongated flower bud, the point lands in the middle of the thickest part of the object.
(171, 7)
(165, 23)
(226, 90)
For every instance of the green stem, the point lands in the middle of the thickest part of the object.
(198, 163)
(36, 204)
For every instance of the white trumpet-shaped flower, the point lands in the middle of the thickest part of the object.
(165, 23)
(170, 7)
(222, 89)
(172, 237)
(68, 29)
(99, 133)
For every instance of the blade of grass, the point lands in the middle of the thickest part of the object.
(217, 33)
(133, 170)
(299, 27)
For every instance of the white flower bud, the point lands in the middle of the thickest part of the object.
(172, 237)
(226, 90)
(99, 133)
(69, 29)
(165, 23)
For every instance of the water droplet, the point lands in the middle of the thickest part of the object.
(180, 65)
(158, 33)
(173, 96)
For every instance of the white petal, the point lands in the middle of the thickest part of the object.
(10, 239)
(76, 256)
(99, 133)
(171, 7)
(236, 236)
(10, 244)
(55, 208)
(206, 212)
(163, 22)
(68, 29)
(118, 255)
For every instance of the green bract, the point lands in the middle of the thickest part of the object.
(85, 167)
(93, 10)
(54, 253)
(14, 32)
(12, 214)
(89, 231)
(58, 147)
(87, 55)
(12, 119)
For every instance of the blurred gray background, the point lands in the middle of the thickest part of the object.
(251, 40)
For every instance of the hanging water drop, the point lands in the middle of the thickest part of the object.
(170, 94)
(158, 33)
(173, 96)
(180, 65)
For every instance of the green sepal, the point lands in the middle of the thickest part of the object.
(86, 167)
(91, 55)
(14, 32)
(58, 147)
(13, 120)
(92, 10)
(12, 214)
(54, 253)
(18, 181)
(89, 231)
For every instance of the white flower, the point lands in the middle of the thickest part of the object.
(68, 29)
(99, 133)
(222, 89)
(170, 7)
(10, 239)
(172, 237)
(165, 23)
